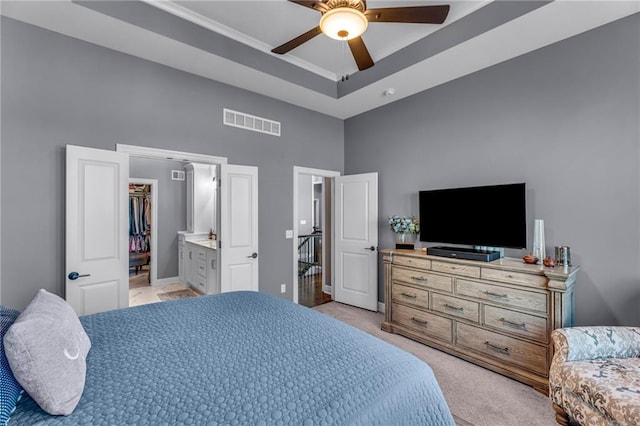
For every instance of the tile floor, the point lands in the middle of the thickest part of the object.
(148, 294)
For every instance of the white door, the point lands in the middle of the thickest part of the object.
(97, 224)
(238, 228)
(356, 240)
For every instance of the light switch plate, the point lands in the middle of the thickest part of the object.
(288, 233)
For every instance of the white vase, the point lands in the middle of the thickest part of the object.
(538, 239)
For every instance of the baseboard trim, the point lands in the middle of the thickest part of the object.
(165, 281)
(381, 307)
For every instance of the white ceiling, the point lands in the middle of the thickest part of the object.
(267, 24)
(243, 21)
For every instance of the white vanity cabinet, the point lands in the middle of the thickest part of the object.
(212, 271)
(199, 265)
(181, 257)
(189, 255)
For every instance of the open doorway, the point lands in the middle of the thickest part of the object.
(312, 236)
(165, 173)
(143, 202)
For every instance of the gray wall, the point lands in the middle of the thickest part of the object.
(564, 120)
(305, 200)
(172, 208)
(57, 90)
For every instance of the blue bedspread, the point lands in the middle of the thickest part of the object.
(243, 358)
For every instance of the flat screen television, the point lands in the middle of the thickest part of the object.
(493, 216)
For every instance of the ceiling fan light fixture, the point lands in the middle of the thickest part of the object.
(343, 23)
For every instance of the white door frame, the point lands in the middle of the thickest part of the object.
(153, 265)
(297, 172)
(166, 154)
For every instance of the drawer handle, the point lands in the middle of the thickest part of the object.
(409, 296)
(453, 308)
(509, 276)
(501, 349)
(500, 296)
(511, 324)
(423, 279)
(417, 321)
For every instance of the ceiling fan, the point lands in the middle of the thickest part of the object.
(348, 19)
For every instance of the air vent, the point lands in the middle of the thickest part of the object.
(251, 122)
(177, 174)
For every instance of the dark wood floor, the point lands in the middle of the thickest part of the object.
(310, 291)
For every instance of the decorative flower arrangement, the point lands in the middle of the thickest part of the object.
(404, 225)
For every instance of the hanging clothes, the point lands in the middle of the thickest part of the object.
(139, 222)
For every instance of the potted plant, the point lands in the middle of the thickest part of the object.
(403, 225)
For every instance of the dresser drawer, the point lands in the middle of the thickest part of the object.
(522, 324)
(514, 277)
(201, 268)
(412, 262)
(425, 279)
(523, 354)
(456, 307)
(457, 269)
(201, 255)
(410, 295)
(503, 295)
(201, 285)
(424, 322)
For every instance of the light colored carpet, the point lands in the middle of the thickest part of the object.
(474, 394)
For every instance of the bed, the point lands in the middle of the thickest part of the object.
(243, 358)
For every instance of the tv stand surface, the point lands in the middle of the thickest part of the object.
(464, 253)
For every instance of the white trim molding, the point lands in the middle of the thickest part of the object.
(217, 27)
(166, 154)
(381, 307)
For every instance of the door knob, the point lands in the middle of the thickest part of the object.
(372, 248)
(253, 256)
(74, 275)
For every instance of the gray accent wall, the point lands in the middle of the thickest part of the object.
(305, 204)
(563, 119)
(172, 208)
(57, 90)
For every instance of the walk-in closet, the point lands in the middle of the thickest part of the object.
(139, 235)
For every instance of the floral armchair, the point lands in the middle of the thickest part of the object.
(595, 376)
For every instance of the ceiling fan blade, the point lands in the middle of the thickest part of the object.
(292, 44)
(412, 14)
(360, 53)
(315, 5)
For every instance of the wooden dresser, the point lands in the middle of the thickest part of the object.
(498, 315)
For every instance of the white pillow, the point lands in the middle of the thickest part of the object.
(47, 348)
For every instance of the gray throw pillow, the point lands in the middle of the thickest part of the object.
(47, 348)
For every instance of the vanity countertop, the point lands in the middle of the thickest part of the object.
(210, 244)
